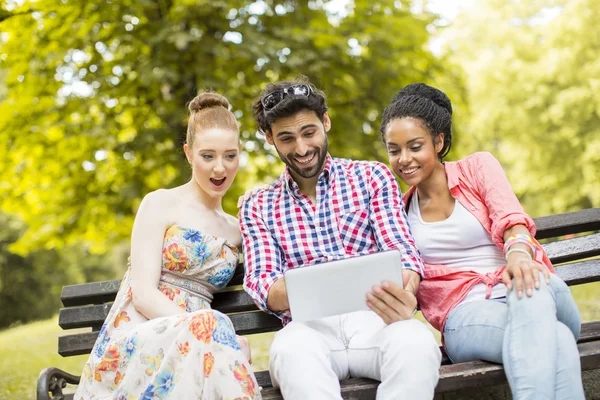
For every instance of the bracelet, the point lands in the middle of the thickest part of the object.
(520, 238)
(519, 251)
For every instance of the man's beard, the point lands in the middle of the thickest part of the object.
(310, 172)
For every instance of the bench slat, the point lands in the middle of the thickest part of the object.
(89, 293)
(580, 272)
(244, 323)
(239, 301)
(94, 315)
(568, 223)
(549, 226)
(452, 377)
(573, 249)
(106, 291)
(103, 292)
(249, 323)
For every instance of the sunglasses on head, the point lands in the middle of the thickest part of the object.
(274, 98)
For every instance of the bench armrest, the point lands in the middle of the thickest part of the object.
(51, 383)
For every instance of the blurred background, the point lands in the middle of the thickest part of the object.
(93, 115)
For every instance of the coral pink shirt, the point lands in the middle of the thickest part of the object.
(479, 183)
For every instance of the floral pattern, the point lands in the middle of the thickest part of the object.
(245, 378)
(224, 333)
(135, 358)
(202, 326)
(176, 258)
(209, 362)
(221, 278)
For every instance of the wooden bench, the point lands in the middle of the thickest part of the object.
(576, 259)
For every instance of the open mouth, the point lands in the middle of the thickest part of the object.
(306, 160)
(218, 182)
(409, 171)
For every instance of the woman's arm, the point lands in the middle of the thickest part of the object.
(508, 220)
(520, 263)
(146, 258)
(497, 194)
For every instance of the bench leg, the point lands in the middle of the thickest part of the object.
(51, 383)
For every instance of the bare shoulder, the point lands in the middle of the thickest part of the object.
(156, 205)
(156, 199)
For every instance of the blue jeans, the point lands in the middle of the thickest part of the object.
(534, 337)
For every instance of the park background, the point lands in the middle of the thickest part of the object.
(93, 114)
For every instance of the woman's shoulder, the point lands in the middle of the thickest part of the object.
(158, 206)
(477, 165)
(478, 158)
(153, 199)
(158, 198)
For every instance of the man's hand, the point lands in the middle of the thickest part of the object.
(523, 270)
(391, 302)
(251, 192)
(277, 299)
(243, 342)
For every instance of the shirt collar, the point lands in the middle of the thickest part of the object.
(452, 173)
(325, 176)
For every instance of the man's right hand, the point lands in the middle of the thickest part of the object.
(277, 299)
(251, 192)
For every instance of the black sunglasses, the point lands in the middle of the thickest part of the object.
(274, 98)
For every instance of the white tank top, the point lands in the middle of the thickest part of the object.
(461, 242)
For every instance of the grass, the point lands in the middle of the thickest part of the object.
(26, 350)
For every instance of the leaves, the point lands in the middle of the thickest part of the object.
(94, 111)
(532, 78)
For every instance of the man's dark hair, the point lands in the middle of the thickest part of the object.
(290, 105)
(427, 105)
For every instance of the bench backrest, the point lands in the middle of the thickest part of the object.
(87, 305)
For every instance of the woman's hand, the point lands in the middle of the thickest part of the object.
(251, 192)
(523, 270)
(245, 347)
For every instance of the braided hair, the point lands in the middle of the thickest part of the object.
(428, 106)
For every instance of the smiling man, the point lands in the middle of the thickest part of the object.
(321, 209)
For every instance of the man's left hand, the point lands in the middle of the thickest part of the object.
(393, 303)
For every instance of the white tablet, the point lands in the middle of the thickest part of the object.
(339, 287)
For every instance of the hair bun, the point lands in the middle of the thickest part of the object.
(207, 100)
(425, 91)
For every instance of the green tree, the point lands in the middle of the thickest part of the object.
(30, 285)
(94, 112)
(533, 78)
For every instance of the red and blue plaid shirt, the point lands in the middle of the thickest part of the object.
(358, 211)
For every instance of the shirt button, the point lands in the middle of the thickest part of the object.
(472, 208)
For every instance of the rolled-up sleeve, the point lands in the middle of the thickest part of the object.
(504, 208)
(262, 257)
(388, 219)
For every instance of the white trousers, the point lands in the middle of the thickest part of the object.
(307, 360)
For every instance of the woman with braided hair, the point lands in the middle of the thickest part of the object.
(489, 287)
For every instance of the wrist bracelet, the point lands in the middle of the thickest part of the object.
(519, 251)
(520, 238)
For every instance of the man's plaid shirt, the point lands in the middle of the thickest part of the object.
(358, 211)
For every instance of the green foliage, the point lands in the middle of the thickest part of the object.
(30, 285)
(94, 112)
(533, 79)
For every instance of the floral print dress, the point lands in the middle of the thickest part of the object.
(192, 356)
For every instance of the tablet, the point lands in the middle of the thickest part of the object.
(339, 287)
